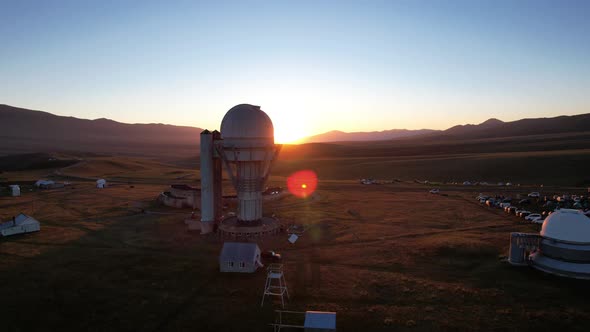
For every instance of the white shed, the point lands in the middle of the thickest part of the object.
(316, 321)
(19, 225)
(313, 321)
(15, 190)
(239, 257)
(101, 183)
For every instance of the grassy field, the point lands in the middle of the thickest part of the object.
(556, 159)
(385, 257)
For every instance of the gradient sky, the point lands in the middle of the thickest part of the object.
(313, 66)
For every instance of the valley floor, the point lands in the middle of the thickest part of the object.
(384, 257)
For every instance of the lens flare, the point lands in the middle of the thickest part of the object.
(302, 183)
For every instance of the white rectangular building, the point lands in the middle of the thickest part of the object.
(241, 257)
(19, 225)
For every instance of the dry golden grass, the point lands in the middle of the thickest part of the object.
(388, 257)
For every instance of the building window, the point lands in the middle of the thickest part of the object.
(230, 264)
(242, 265)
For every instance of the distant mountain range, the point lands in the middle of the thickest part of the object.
(525, 127)
(23, 130)
(488, 129)
(340, 136)
(27, 131)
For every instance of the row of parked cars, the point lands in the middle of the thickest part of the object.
(506, 204)
(536, 218)
(534, 199)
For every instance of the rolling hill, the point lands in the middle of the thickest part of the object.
(494, 128)
(28, 131)
(340, 136)
(548, 150)
(23, 131)
(553, 151)
(491, 128)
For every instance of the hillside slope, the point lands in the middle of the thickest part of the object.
(491, 128)
(23, 130)
(340, 136)
(494, 128)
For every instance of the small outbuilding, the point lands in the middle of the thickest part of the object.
(19, 225)
(15, 188)
(181, 196)
(316, 321)
(101, 183)
(243, 257)
(309, 321)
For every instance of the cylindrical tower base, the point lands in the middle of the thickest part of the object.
(250, 181)
(232, 228)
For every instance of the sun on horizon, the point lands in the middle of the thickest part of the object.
(289, 130)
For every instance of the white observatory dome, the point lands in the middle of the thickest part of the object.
(248, 122)
(567, 225)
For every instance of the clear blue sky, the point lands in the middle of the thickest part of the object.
(313, 66)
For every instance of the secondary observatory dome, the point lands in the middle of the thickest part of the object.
(567, 225)
(246, 121)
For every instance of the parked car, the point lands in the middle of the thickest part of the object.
(534, 194)
(271, 256)
(532, 216)
(523, 214)
(518, 211)
(434, 191)
(504, 205)
(512, 210)
(539, 220)
(525, 201)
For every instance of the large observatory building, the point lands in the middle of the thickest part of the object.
(245, 148)
(562, 247)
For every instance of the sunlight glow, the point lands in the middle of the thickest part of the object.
(302, 183)
(287, 136)
(290, 124)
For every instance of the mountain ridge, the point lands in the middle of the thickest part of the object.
(23, 130)
(341, 136)
(27, 131)
(490, 128)
(494, 128)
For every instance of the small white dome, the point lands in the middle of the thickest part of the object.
(567, 225)
(246, 121)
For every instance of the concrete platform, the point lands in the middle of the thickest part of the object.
(234, 229)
